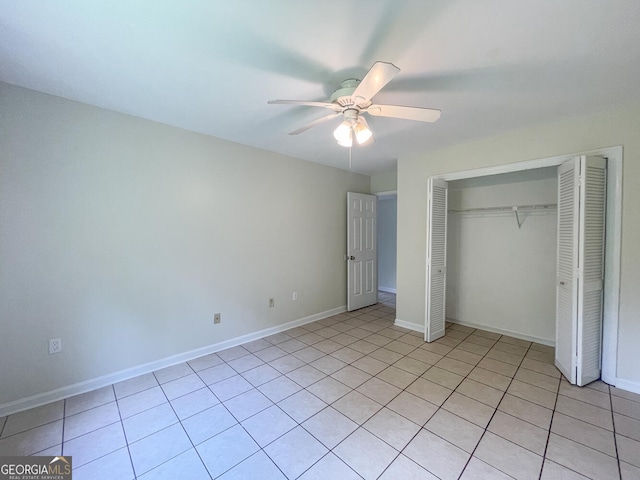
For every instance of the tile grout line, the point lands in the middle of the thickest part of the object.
(615, 438)
(582, 421)
(494, 413)
(96, 429)
(128, 444)
(124, 433)
(546, 445)
(64, 419)
(193, 446)
(180, 420)
(238, 422)
(585, 421)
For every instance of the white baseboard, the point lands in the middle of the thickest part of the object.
(502, 331)
(628, 385)
(105, 380)
(420, 328)
(387, 289)
(409, 325)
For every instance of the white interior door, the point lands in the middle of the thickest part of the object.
(579, 289)
(362, 254)
(436, 259)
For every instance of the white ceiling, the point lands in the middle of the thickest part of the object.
(210, 66)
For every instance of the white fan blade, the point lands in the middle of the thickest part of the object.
(332, 106)
(408, 113)
(377, 77)
(315, 122)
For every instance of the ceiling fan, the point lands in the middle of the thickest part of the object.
(353, 98)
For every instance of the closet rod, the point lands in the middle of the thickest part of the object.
(541, 206)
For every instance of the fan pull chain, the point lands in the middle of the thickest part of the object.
(350, 148)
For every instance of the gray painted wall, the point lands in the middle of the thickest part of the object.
(123, 237)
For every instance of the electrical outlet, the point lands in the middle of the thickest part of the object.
(216, 318)
(295, 296)
(55, 345)
(272, 303)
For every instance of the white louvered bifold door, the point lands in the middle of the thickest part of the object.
(591, 268)
(436, 259)
(566, 286)
(581, 223)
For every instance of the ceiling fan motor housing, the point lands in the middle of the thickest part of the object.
(343, 96)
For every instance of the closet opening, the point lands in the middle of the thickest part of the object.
(505, 258)
(501, 253)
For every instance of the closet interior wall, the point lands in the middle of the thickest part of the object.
(501, 267)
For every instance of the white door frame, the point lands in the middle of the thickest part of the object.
(614, 156)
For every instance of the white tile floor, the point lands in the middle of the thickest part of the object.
(347, 397)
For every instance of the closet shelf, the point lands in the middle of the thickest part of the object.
(509, 208)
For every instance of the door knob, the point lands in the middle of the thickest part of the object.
(352, 257)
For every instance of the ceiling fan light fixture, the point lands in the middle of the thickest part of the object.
(343, 134)
(362, 132)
